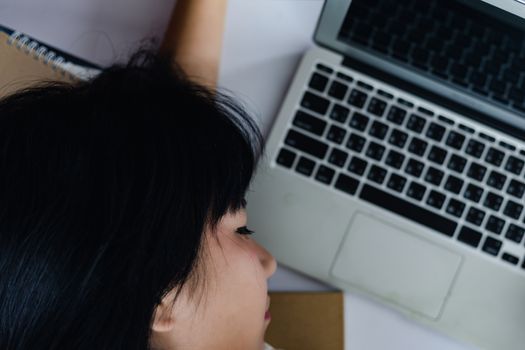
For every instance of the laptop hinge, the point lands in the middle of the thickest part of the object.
(402, 84)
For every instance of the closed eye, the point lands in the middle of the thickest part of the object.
(244, 231)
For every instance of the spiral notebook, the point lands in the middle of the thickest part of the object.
(25, 61)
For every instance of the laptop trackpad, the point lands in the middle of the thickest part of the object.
(396, 265)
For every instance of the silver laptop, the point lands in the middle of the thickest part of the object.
(395, 167)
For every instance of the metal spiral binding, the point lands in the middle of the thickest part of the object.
(38, 51)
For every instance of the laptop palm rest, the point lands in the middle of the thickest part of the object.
(395, 265)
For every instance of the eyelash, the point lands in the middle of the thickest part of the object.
(244, 231)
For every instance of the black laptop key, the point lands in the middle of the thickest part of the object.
(377, 107)
(306, 144)
(436, 199)
(474, 148)
(469, 236)
(337, 90)
(496, 180)
(339, 113)
(476, 171)
(309, 123)
(455, 207)
(515, 233)
(457, 163)
(336, 134)
(325, 174)
(357, 98)
(434, 176)
(357, 166)
(466, 128)
(286, 158)
(507, 146)
(364, 85)
(355, 143)
(375, 151)
(414, 167)
(494, 156)
(315, 103)
(318, 82)
(513, 209)
(444, 120)
(455, 140)
(473, 193)
(495, 224)
(453, 184)
(493, 201)
(398, 138)
(346, 184)
(437, 155)
(516, 188)
(514, 165)
(475, 216)
(417, 146)
(377, 174)
(344, 77)
(337, 157)
(394, 159)
(378, 130)
(324, 68)
(396, 115)
(491, 246)
(416, 191)
(305, 166)
(435, 131)
(511, 259)
(408, 210)
(396, 182)
(385, 94)
(359, 121)
(415, 123)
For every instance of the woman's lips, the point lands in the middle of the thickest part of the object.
(267, 315)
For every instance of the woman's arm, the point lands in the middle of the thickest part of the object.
(194, 38)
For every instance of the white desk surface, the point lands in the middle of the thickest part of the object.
(263, 43)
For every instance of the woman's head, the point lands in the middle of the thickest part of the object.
(113, 195)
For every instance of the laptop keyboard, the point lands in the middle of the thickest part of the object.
(404, 157)
(447, 40)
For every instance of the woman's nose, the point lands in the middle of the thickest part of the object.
(267, 261)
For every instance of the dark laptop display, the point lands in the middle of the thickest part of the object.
(448, 40)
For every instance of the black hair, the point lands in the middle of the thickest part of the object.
(106, 187)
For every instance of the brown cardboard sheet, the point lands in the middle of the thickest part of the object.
(306, 321)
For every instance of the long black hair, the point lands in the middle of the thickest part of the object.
(106, 187)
